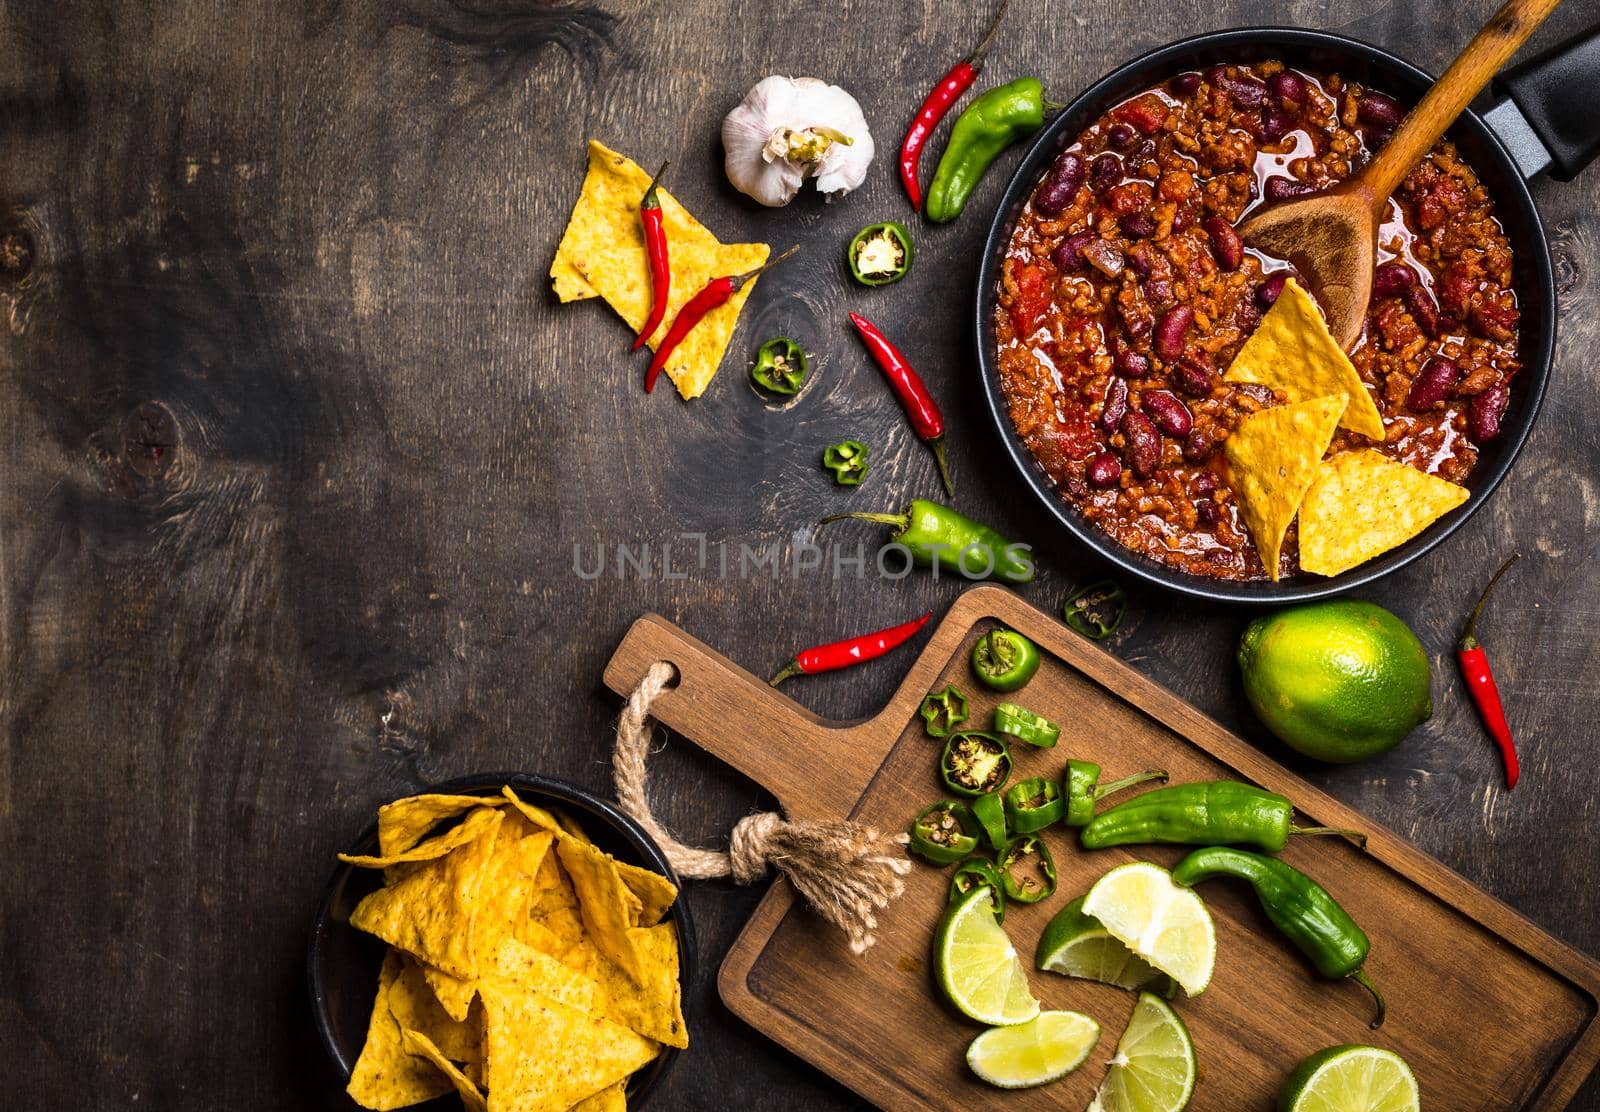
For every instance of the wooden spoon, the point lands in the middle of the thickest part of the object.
(1332, 237)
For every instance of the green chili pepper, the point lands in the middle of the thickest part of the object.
(848, 462)
(975, 872)
(943, 832)
(1026, 870)
(975, 762)
(1081, 782)
(1210, 813)
(1298, 906)
(1024, 725)
(943, 711)
(1097, 610)
(780, 366)
(881, 253)
(1033, 804)
(990, 124)
(938, 536)
(1004, 659)
(990, 811)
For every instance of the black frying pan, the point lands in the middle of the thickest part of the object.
(1545, 125)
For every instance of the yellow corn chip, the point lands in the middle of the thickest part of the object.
(403, 823)
(538, 972)
(604, 245)
(453, 993)
(602, 901)
(545, 1056)
(469, 830)
(606, 1100)
(1362, 504)
(1293, 351)
(570, 825)
(534, 814)
(569, 283)
(1273, 455)
(655, 892)
(415, 1007)
(387, 1075)
(430, 912)
(652, 1005)
(510, 887)
(418, 1043)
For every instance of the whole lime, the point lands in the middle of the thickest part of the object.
(1339, 681)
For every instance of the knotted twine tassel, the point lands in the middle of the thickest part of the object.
(844, 870)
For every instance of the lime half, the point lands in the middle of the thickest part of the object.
(1351, 1079)
(1167, 926)
(1077, 945)
(1047, 1047)
(977, 965)
(1154, 1067)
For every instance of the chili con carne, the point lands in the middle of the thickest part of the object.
(651, 220)
(922, 411)
(990, 811)
(1025, 725)
(1081, 783)
(942, 833)
(849, 652)
(847, 460)
(716, 293)
(1005, 660)
(975, 762)
(880, 254)
(1481, 686)
(975, 872)
(1026, 870)
(1033, 804)
(939, 537)
(1097, 610)
(780, 366)
(990, 124)
(1209, 813)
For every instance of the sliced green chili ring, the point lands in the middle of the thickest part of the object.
(1024, 725)
(780, 366)
(990, 811)
(943, 711)
(847, 460)
(1097, 610)
(1026, 870)
(943, 832)
(881, 253)
(1004, 659)
(977, 872)
(1033, 804)
(975, 762)
(1081, 783)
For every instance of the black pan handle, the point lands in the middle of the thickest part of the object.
(1558, 93)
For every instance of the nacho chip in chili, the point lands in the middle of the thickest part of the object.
(1272, 457)
(1362, 504)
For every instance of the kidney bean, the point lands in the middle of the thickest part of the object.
(1139, 259)
(1104, 257)
(1139, 225)
(1379, 111)
(1246, 92)
(1197, 448)
(1130, 364)
(1267, 293)
(1246, 316)
(1485, 413)
(1158, 292)
(1104, 172)
(1182, 219)
(1193, 377)
(1225, 243)
(1068, 255)
(1116, 404)
(1393, 279)
(1206, 510)
(1205, 482)
(1172, 330)
(1185, 84)
(1288, 86)
(1121, 136)
(1423, 310)
(1142, 443)
(1282, 189)
(1170, 415)
(1146, 152)
(1433, 384)
(1103, 471)
(1274, 124)
(1061, 185)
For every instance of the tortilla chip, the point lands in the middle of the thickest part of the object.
(570, 825)
(534, 814)
(651, 1005)
(603, 901)
(1273, 455)
(403, 823)
(569, 283)
(415, 1007)
(510, 887)
(418, 1043)
(453, 993)
(1293, 351)
(539, 972)
(545, 1056)
(655, 892)
(469, 830)
(430, 912)
(1362, 504)
(387, 1075)
(604, 244)
(606, 1100)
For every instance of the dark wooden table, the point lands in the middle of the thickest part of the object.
(302, 449)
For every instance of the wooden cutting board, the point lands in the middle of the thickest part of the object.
(1490, 1011)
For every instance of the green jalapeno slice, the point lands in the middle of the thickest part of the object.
(780, 366)
(1026, 870)
(942, 832)
(943, 711)
(1024, 725)
(1004, 659)
(1097, 610)
(881, 253)
(1081, 783)
(975, 762)
(990, 811)
(1033, 804)
(973, 873)
(847, 460)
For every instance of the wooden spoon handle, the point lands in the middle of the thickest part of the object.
(1466, 77)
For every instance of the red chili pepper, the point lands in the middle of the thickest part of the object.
(716, 292)
(1480, 682)
(850, 651)
(655, 245)
(941, 98)
(912, 392)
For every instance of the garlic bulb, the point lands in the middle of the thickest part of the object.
(790, 128)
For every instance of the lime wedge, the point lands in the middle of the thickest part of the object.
(1154, 1067)
(1076, 945)
(978, 967)
(1047, 1047)
(1351, 1079)
(1167, 926)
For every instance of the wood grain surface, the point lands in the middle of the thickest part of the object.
(301, 449)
